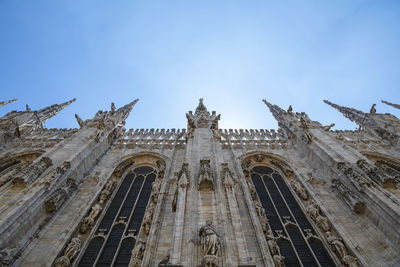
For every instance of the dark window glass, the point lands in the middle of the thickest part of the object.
(288, 252)
(281, 206)
(112, 210)
(111, 246)
(131, 198)
(320, 252)
(124, 254)
(91, 252)
(143, 170)
(140, 209)
(130, 201)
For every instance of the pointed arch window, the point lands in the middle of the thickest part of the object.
(296, 237)
(115, 235)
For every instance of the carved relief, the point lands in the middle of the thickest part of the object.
(7, 256)
(227, 176)
(340, 249)
(57, 199)
(70, 253)
(32, 172)
(206, 178)
(352, 200)
(354, 176)
(376, 174)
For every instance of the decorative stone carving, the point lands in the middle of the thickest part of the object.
(88, 221)
(273, 245)
(227, 176)
(165, 260)
(337, 245)
(299, 189)
(323, 223)
(209, 261)
(32, 172)
(70, 253)
(137, 254)
(57, 199)
(327, 128)
(147, 221)
(259, 209)
(279, 260)
(373, 172)
(155, 190)
(353, 176)
(349, 197)
(79, 120)
(7, 256)
(209, 239)
(253, 191)
(206, 178)
(313, 210)
(313, 180)
(106, 192)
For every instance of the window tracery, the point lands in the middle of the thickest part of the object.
(290, 236)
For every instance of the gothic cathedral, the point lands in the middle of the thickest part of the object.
(101, 195)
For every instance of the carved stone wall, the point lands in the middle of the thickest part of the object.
(204, 208)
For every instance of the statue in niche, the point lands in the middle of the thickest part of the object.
(148, 219)
(155, 189)
(209, 239)
(206, 180)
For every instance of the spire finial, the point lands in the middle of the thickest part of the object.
(391, 104)
(352, 114)
(276, 111)
(7, 102)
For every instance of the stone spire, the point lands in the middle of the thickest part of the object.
(124, 111)
(391, 104)
(7, 102)
(276, 111)
(360, 118)
(202, 119)
(46, 113)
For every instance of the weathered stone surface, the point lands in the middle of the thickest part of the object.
(345, 182)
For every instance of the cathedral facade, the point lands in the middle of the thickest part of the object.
(103, 195)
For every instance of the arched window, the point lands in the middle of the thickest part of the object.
(296, 238)
(116, 233)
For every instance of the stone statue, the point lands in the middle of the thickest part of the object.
(88, 222)
(279, 261)
(112, 107)
(137, 254)
(155, 189)
(206, 180)
(323, 223)
(373, 109)
(259, 209)
(165, 260)
(337, 245)
(313, 210)
(106, 192)
(70, 253)
(273, 245)
(209, 239)
(299, 189)
(148, 219)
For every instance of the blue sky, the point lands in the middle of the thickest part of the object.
(170, 53)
